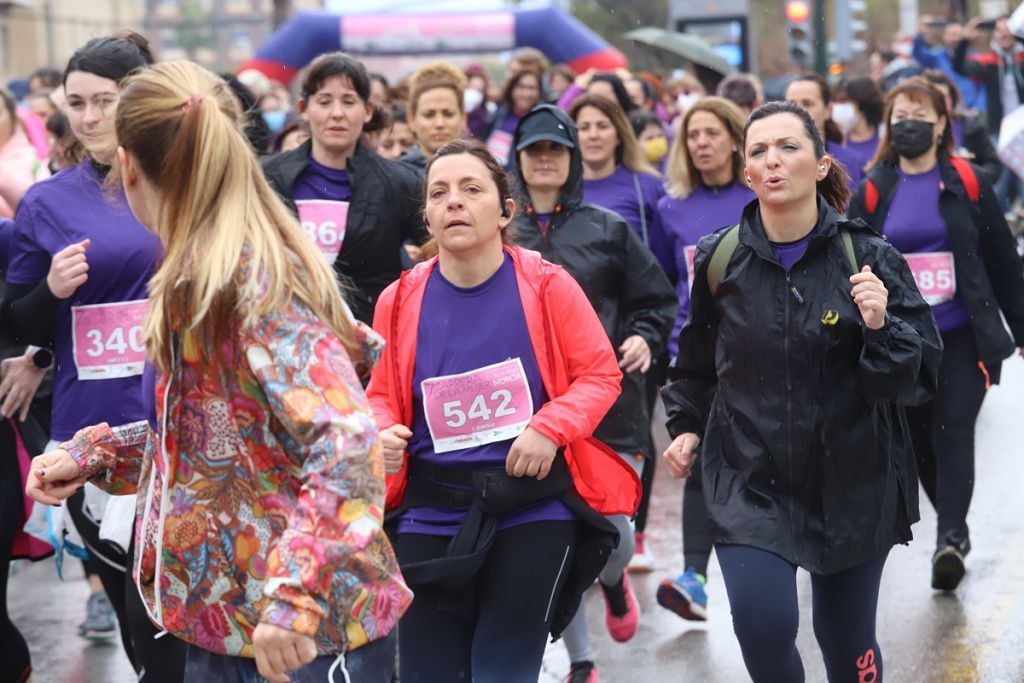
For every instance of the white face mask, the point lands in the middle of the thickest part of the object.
(472, 98)
(685, 101)
(845, 115)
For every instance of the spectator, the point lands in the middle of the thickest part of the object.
(940, 57)
(970, 135)
(742, 90)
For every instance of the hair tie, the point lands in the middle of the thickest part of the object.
(195, 99)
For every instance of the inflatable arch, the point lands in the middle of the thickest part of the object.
(558, 35)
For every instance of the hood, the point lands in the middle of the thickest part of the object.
(572, 192)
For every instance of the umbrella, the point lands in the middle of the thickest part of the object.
(689, 48)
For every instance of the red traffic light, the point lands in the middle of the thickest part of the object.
(798, 11)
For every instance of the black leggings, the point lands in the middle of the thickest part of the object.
(942, 432)
(697, 535)
(15, 658)
(516, 592)
(765, 616)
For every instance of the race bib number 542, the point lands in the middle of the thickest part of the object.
(474, 408)
(107, 339)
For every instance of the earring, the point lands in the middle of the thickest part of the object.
(822, 167)
(748, 180)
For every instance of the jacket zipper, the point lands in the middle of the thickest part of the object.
(789, 410)
(159, 541)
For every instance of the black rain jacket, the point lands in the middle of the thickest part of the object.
(620, 276)
(384, 212)
(805, 452)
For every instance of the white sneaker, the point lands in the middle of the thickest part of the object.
(642, 561)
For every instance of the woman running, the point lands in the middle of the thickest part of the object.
(806, 336)
(522, 92)
(436, 110)
(495, 373)
(634, 302)
(357, 207)
(942, 214)
(812, 92)
(706, 192)
(260, 543)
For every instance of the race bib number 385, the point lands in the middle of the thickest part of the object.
(935, 275)
(107, 339)
(474, 408)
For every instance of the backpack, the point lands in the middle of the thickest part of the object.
(726, 247)
(963, 169)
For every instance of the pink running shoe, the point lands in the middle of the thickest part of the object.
(623, 613)
(582, 672)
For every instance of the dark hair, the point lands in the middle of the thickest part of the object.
(939, 77)
(833, 187)
(832, 132)
(380, 78)
(641, 118)
(256, 129)
(10, 104)
(916, 89)
(339, 64)
(49, 76)
(506, 96)
(618, 88)
(293, 123)
(865, 94)
(398, 115)
(649, 93)
(738, 89)
(57, 125)
(113, 57)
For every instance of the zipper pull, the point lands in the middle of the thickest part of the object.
(796, 294)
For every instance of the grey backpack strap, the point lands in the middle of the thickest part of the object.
(851, 255)
(720, 258)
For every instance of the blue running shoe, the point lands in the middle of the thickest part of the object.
(685, 595)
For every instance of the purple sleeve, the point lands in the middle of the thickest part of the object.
(659, 240)
(569, 96)
(29, 261)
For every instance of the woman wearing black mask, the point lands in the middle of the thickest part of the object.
(941, 212)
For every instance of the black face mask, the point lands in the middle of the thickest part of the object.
(912, 138)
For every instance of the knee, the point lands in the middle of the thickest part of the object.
(760, 630)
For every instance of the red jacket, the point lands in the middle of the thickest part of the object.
(576, 362)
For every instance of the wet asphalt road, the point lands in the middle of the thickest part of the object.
(974, 635)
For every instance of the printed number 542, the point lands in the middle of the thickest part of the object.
(479, 409)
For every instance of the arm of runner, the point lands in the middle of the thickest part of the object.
(681, 454)
(19, 380)
(111, 457)
(395, 441)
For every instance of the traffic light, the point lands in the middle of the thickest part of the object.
(851, 29)
(798, 27)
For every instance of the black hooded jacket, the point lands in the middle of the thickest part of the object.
(805, 450)
(383, 214)
(618, 273)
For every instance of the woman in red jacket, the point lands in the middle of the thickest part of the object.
(495, 373)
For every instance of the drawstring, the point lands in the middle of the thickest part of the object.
(984, 371)
(340, 661)
(160, 635)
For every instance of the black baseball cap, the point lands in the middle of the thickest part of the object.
(543, 125)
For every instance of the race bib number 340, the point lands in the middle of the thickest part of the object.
(107, 339)
(479, 407)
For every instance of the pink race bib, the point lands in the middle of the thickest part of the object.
(325, 222)
(935, 275)
(107, 339)
(478, 407)
(689, 253)
(500, 145)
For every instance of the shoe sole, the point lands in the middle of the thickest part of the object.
(674, 599)
(90, 634)
(947, 571)
(640, 568)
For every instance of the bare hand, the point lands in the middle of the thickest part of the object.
(531, 455)
(871, 297)
(19, 379)
(971, 30)
(394, 440)
(53, 477)
(68, 270)
(681, 454)
(636, 354)
(583, 80)
(279, 651)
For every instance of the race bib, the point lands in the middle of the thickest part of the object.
(478, 407)
(107, 339)
(500, 145)
(935, 275)
(689, 253)
(325, 222)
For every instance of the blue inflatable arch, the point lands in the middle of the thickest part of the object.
(558, 35)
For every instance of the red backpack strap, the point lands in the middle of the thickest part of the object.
(967, 177)
(870, 196)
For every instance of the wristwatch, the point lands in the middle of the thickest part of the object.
(42, 358)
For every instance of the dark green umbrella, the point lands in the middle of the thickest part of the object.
(691, 49)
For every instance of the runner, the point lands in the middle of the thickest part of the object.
(79, 266)
(356, 206)
(705, 193)
(19, 164)
(522, 92)
(494, 375)
(636, 306)
(857, 112)
(792, 369)
(942, 214)
(813, 93)
(437, 109)
(252, 383)
(970, 135)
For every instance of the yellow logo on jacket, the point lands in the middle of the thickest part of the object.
(830, 317)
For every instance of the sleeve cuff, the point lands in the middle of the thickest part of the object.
(292, 616)
(90, 448)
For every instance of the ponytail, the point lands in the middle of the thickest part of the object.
(834, 187)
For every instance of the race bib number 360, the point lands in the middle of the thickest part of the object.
(107, 339)
(324, 221)
(474, 408)
(935, 275)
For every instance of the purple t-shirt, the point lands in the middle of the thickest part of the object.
(321, 182)
(851, 161)
(686, 221)
(915, 226)
(618, 193)
(866, 149)
(102, 381)
(461, 330)
(790, 252)
(499, 142)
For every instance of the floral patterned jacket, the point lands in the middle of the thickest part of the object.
(264, 493)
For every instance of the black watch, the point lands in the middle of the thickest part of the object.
(42, 358)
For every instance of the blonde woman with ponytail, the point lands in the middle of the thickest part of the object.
(260, 536)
